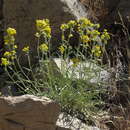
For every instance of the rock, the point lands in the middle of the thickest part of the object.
(28, 112)
(61, 128)
(21, 15)
(73, 123)
(79, 72)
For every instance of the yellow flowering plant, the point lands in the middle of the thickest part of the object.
(10, 53)
(68, 82)
(43, 32)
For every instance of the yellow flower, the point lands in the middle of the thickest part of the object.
(102, 36)
(40, 24)
(105, 36)
(6, 41)
(80, 31)
(15, 46)
(43, 27)
(95, 32)
(43, 47)
(97, 25)
(91, 25)
(63, 27)
(26, 49)
(71, 23)
(11, 31)
(84, 22)
(10, 55)
(7, 54)
(37, 35)
(75, 61)
(47, 31)
(4, 61)
(71, 35)
(97, 47)
(9, 39)
(85, 39)
(62, 49)
(96, 50)
(13, 52)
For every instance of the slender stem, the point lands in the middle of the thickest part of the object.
(12, 78)
(38, 53)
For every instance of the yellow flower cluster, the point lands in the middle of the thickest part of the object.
(7, 54)
(11, 31)
(10, 54)
(87, 31)
(15, 46)
(43, 27)
(105, 36)
(63, 27)
(84, 28)
(43, 47)
(5, 61)
(84, 22)
(72, 23)
(85, 39)
(9, 38)
(96, 50)
(89, 35)
(68, 25)
(95, 33)
(26, 49)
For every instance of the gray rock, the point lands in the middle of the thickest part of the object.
(87, 70)
(73, 123)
